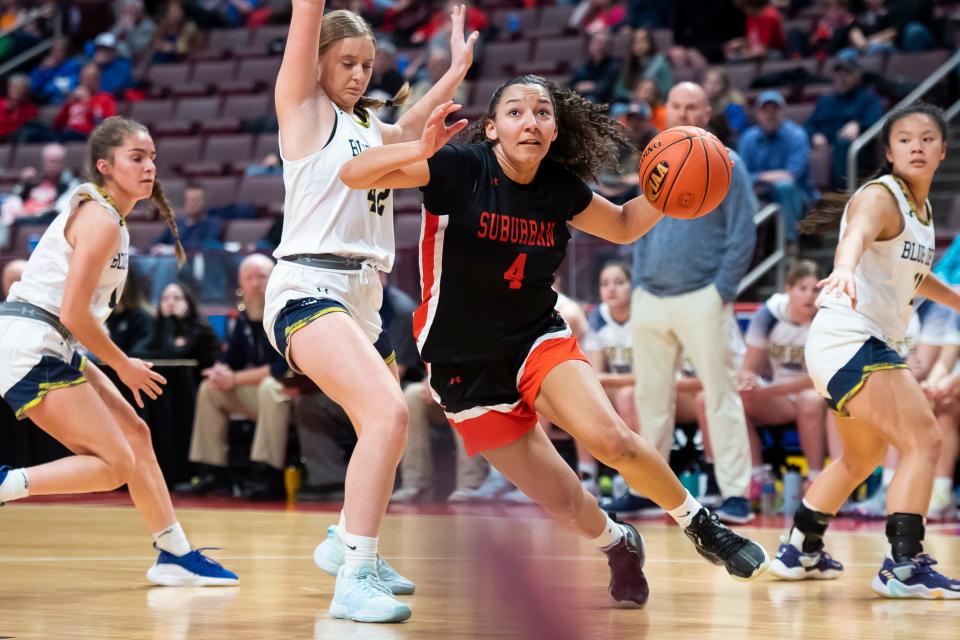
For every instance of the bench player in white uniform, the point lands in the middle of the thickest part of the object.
(324, 295)
(775, 341)
(882, 262)
(70, 284)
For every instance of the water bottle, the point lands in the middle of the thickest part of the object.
(690, 479)
(32, 241)
(513, 23)
(403, 61)
(768, 493)
(292, 481)
(792, 490)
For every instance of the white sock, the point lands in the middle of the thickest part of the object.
(942, 484)
(685, 513)
(342, 523)
(587, 469)
(173, 540)
(797, 538)
(359, 551)
(888, 475)
(15, 486)
(611, 535)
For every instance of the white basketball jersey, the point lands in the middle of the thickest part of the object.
(45, 275)
(323, 215)
(890, 271)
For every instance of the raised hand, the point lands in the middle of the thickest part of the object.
(461, 53)
(841, 281)
(435, 131)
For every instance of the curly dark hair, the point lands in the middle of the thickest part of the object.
(587, 140)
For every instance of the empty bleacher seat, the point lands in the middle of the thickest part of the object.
(246, 231)
(261, 191)
(143, 233)
(262, 70)
(406, 229)
(229, 149)
(197, 109)
(914, 67)
(213, 71)
(566, 51)
(219, 191)
(27, 155)
(175, 152)
(554, 20)
(247, 107)
(164, 77)
(228, 40)
(149, 112)
(500, 57)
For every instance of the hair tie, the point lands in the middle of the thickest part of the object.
(388, 104)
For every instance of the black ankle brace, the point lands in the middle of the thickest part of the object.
(812, 524)
(905, 532)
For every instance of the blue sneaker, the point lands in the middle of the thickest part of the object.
(361, 597)
(630, 505)
(793, 564)
(735, 511)
(328, 556)
(628, 586)
(914, 579)
(190, 570)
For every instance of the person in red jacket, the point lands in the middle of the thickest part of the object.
(85, 108)
(438, 28)
(16, 109)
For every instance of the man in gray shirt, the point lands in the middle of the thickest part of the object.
(685, 277)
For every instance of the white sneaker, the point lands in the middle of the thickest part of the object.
(516, 497)
(360, 596)
(406, 495)
(329, 557)
(873, 507)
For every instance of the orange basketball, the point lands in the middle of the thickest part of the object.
(685, 172)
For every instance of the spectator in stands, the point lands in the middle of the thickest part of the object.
(436, 32)
(651, 14)
(131, 323)
(16, 109)
(764, 33)
(829, 34)
(133, 31)
(180, 331)
(707, 26)
(86, 107)
(438, 61)
(22, 27)
(776, 152)
(12, 271)
(728, 116)
(116, 71)
(245, 381)
(57, 74)
(648, 94)
(595, 78)
(592, 16)
(211, 14)
(386, 79)
(773, 380)
(175, 35)
(840, 117)
(888, 25)
(621, 184)
(198, 230)
(643, 63)
(39, 193)
(691, 308)
(269, 165)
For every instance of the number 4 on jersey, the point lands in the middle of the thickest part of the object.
(514, 275)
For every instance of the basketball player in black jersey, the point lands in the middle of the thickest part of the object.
(494, 233)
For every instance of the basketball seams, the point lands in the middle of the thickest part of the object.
(726, 161)
(676, 174)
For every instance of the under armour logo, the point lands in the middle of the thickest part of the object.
(495, 181)
(324, 290)
(455, 380)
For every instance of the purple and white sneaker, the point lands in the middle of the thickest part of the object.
(915, 579)
(793, 564)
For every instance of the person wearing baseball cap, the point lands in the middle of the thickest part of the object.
(116, 71)
(776, 152)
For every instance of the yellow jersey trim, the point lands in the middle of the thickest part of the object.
(300, 324)
(47, 387)
(867, 370)
(390, 358)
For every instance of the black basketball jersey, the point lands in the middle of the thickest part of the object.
(488, 254)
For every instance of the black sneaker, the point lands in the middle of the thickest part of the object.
(628, 585)
(743, 558)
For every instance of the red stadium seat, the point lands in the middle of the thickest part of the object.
(499, 58)
(246, 231)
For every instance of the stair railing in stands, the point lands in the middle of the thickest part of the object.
(776, 260)
(857, 146)
(35, 50)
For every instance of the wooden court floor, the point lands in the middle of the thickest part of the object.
(78, 572)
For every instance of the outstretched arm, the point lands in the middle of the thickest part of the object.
(872, 214)
(402, 165)
(937, 290)
(622, 225)
(295, 96)
(411, 123)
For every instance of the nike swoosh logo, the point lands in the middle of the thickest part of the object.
(349, 547)
(686, 514)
